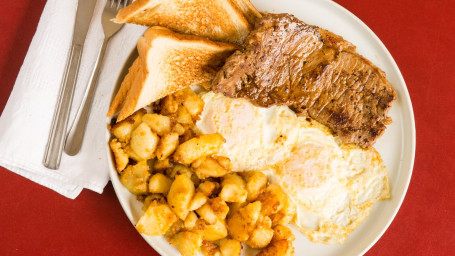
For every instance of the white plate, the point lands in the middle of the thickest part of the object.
(396, 146)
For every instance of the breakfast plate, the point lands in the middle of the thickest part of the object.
(396, 146)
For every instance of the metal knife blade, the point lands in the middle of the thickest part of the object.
(55, 142)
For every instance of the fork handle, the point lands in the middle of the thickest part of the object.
(54, 146)
(76, 133)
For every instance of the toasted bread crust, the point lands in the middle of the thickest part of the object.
(249, 11)
(219, 20)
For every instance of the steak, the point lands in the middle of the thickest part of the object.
(313, 71)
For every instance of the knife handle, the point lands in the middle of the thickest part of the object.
(54, 147)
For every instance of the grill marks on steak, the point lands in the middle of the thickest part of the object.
(313, 71)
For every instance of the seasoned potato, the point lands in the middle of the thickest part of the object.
(180, 195)
(190, 221)
(278, 248)
(199, 199)
(212, 232)
(135, 178)
(192, 102)
(121, 158)
(179, 129)
(273, 199)
(243, 221)
(211, 166)
(158, 123)
(204, 145)
(136, 117)
(208, 188)
(281, 232)
(159, 183)
(160, 165)
(219, 207)
(206, 212)
(158, 218)
(230, 247)
(177, 227)
(144, 141)
(131, 154)
(152, 197)
(260, 237)
(257, 181)
(168, 143)
(122, 130)
(234, 207)
(210, 249)
(233, 188)
(169, 105)
(285, 215)
(184, 117)
(178, 169)
(188, 243)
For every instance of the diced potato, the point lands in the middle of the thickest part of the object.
(159, 183)
(219, 207)
(180, 195)
(273, 199)
(211, 166)
(177, 227)
(160, 165)
(131, 154)
(122, 130)
(179, 169)
(206, 213)
(158, 123)
(121, 158)
(135, 178)
(260, 237)
(210, 249)
(212, 232)
(169, 105)
(168, 143)
(281, 232)
(204, 145)
(264, 221)
(153, 197)
(188, 243)
(136, 117)
(184, 117)
(157, 219)
(278, 248)
(243, 221)
(199, 199)
(144, 141)
(234, 207)
(230, 247)
(192, 102)
(178, 128)
(190, 221)
(255, 185)
(285, 215)
(233, 188)
(208, 188)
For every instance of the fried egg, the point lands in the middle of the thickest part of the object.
(333, 185)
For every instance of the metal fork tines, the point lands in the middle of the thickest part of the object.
(76, 133)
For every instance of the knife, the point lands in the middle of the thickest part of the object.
(54, 147)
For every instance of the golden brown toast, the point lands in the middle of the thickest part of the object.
(219, 20)
(167, 62)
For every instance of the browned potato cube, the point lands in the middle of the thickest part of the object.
(230, 247)
(233, 188)
(160, 165)
(168, 143)
(219, 207)
(179, 129)
(208, 188)
(206, 213)
(184, 117)
(211, 166)
(199, 199)
(153, 197)
(285, 215)
(121, 158)
(243, 221)
(135, 178)
(278, 248)
(159, 183)
(179, 169)
(122, 130)
(188, 243)
(281, 232)
(144, 141)
(234, 207)
(201, 146)
(192, 102)
(158, 123)
(157, 219)
(273, 199)
(177, 227)
(131, 154)
(212, 232)
(190, 221)
(260, 237)
(210, 249)
(169, 105)
(180, 195)
(255, 185)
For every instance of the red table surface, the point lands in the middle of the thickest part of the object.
(419, 34)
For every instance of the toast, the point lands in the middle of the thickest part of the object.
(167, 62)
(218, 20)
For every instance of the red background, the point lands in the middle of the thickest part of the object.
(419, 34)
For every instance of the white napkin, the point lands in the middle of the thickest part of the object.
(26, 119)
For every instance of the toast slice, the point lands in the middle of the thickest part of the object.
(219, 20)
(168, 62)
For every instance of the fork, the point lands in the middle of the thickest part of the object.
(76, 133)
